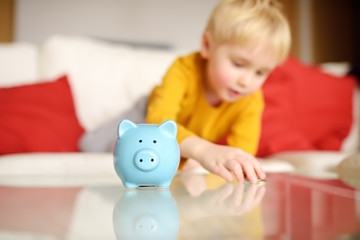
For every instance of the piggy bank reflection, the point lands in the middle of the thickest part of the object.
(146, 154)
(146, 214)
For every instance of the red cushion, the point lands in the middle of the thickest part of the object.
(306, 109)
(38, 118)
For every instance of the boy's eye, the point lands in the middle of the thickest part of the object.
(261, 73)
(238, 64)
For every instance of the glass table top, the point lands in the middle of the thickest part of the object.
(197, 206)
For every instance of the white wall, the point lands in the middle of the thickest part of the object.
(175, 22)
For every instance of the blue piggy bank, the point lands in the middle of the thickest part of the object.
(146, 154)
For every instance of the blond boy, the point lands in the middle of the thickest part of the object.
(215, 95)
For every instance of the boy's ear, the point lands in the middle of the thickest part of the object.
(205, 45)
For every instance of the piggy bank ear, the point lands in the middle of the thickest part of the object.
(169, 128)
(124, 126)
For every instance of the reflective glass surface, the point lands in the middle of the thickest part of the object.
(286, 206)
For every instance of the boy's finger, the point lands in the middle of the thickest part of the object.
(224, 173)
(259, 170)
(249, 171)
(236, 169)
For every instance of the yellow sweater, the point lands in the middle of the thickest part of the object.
(181, 98)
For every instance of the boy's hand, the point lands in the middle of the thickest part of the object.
(227, 161)
(224, 161)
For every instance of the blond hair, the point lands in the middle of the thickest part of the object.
(251, 21)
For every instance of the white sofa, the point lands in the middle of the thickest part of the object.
(106, 79)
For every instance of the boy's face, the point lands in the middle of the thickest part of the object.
(234, 71)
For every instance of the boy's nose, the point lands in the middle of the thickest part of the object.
(245, 80)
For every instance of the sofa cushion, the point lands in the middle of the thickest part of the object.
(349, 170)
(306, 109)
(106, 78)
(19, 64)
(58, 169)
(38, 118)
(316, 164)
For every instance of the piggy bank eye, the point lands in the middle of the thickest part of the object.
(154, 141)
(140, 141)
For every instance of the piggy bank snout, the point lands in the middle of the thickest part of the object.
(146, 159)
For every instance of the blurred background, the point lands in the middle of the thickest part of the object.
(323, 30)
